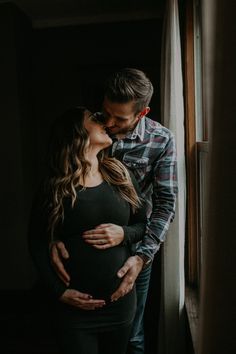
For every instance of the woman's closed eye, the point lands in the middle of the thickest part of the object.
(98, 118)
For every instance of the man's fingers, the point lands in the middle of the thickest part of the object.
(122, 271)
(129, 272)
(125, 287)
(63, 250)
(58, 250)
(127, 284)
(66, 282)
(61, 272)
(58, 247)
(131, 266)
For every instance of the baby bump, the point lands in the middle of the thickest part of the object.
(94, 271)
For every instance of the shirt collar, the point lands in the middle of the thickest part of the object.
(138, 131)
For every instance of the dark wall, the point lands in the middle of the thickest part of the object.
(70, 65)
(16, 145)
(42, 73)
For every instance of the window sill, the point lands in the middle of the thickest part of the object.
(192, 309)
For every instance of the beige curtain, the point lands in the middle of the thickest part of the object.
(171, 329)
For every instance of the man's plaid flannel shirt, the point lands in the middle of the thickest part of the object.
(149, 151)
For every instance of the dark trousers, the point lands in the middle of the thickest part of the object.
(136, 342)
(79, 341)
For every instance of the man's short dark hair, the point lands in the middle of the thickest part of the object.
(128, 85)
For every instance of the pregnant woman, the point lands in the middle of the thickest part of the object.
(85, 190)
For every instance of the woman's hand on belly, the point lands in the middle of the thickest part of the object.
(81, 300)
(104, 236)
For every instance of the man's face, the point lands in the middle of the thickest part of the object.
(120, 118)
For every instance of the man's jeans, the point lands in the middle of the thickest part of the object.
(136, 343)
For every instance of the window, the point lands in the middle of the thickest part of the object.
(196, 141)
(196, 158)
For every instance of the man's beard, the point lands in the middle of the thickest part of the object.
(123, 131)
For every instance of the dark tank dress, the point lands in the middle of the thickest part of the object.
(91, 270)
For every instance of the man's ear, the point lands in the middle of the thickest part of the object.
(144, 112)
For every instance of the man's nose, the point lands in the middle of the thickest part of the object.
(110, 122)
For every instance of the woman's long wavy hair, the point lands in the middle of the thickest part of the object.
(68, 166)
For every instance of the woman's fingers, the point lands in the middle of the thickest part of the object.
(104, 236)
(81, 300)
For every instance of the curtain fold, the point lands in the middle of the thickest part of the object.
(171, 324)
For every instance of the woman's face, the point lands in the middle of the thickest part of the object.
(96, 131)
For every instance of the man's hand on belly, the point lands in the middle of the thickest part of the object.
(104, 236)
(58, 252)
(129, 272)
(81, 300)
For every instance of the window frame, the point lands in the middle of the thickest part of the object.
(196, 130)
(191, 152)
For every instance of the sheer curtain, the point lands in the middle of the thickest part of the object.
(171, 328)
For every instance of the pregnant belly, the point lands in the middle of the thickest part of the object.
(94, 271)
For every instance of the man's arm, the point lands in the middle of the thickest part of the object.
(163, 211)
(163, 200)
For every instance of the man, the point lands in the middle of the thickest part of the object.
(148, 149)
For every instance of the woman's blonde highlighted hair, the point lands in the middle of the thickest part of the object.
(67, 166)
